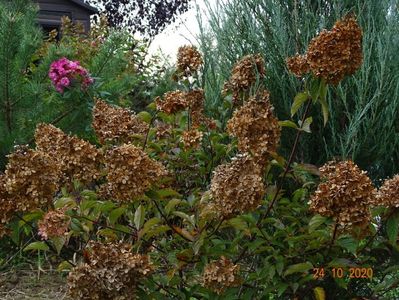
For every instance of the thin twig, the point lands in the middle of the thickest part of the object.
(148, 131)
(168, 222)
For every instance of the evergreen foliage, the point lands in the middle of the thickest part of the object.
(19, 39)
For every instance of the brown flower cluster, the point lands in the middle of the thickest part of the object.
(244, 74)
(78, 159)
(345, 194)
(55, 223)
(188, 59)
(195, 101)
(30, 179)
(116, 124)
(191, 138)
(7, 207)
(111, 272)
(130, 172)
(332, 54)
(255, 126)
(237, 187)
(388, 194)
(163, 130)
(220, 275)
(298, 65)
(172, 102)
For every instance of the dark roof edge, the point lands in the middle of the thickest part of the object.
(85, 5)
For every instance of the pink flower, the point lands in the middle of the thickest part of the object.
(64, 71)
(65, 81)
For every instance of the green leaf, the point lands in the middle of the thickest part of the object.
(306, 124)
(184, 216)
(288, 123)
(58, 243)
(64, 202)
(315, 222)
(168, 192)
(299, 100)
(171, 205)
(139, 216)
(116, 213)
(324, 108)
(65, 266)
(392, 228)
(106, 206)
(87, 204)
(341, 262)
(298, 268)
(323, 90)
(348, 243)
(315, 87)
(37, 246)
(108, 233)
(319, 293)
(145, 116)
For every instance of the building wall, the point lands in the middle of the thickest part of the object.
(51, 12)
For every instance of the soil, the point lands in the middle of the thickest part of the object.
(31, 284)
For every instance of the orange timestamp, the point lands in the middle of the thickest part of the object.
(367, 273)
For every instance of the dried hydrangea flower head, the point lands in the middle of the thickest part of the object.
(388, 193)
(114, 124)
(7, 207)
(55, 223)
(244, 74)
(191, 138)
(345, 194)
(195, 100)
(31, 178)
(112, 272)
(237, 187)
(189, 59)
(78, 159)
(172, 102)
(298, 65)
(255, 127)
(334, 54)
(130, 172)
(163, 130)
(220, 275)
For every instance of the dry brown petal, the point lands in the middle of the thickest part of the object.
(112, 271)
(130, 172)
(172, 102)
(114, 124)
(189, 59)
(220, 275)
(345, 194)
(244, 74)
(334, 54)
(256, 128)
(78, 159)
(31, 179)
(237, 187)
(54, 224)
(298, 65)
(191, 138)
(388, 194)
